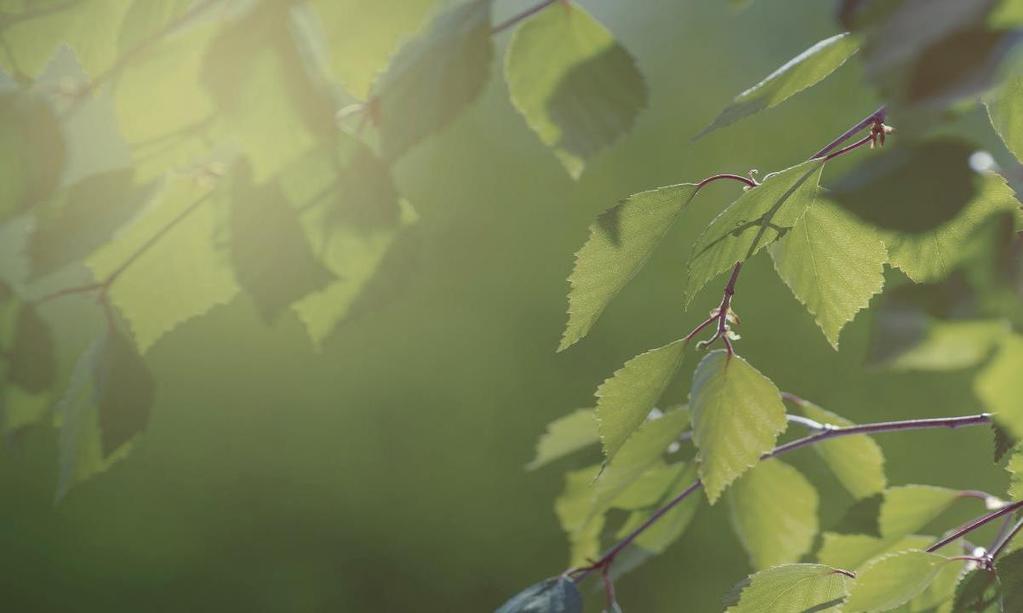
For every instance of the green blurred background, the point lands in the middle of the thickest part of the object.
(385, 473)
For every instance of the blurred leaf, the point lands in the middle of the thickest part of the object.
(888, 581)
(31, 152)
(641, 452)
(932, 255)
(878, 189)
(1003, 443)
(362, 36)
(737, 416)
(655, 539)
(271, 104)
(773, 509)
(32, 362)
(791, 588)
(803, 71)
(145, 19)
(851, 551)
(978, 592)
(857, 461)
(1000, 387)
(863, 517)
(1010, 575)
(579, 516)
(1008, 14)
(756, 219)
(124, 392)
(555, 595)
(433, 77)
(35, 28)
(620, 241)
(577, 87)
(272, 259)
(625, 398)
(1015, 468)
(565, 435)
(960, 65)
(82, 218)
(1005, 109)
(180, 271)
(833, 264)
(908, 508)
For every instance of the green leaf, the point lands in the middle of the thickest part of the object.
(83, 218)
(433, 77)
(932, 255)
(362, 36)
(1003, 442)
(124, 392)
(273, 107)
(272, 259)
(1015, 468)
(1000, 387)
(1010, 573)
(625, 399)
(759, 217)
(773, 509)
(32, 361)
(879, 187)
(931, 344)
(1005, 109)
(555, 595)
(803, 71)
(176, 241)
(940, 594)
(857, 461)
(978, 592)
(578, 89)
(565, 435)
(671, 525)
(737, 416)
(145, 19)
(642, 451)
(31, 152)
(579, 515)
(909, 508)
(792, 588)
(862, 517)
(620, 241)
(833, 264)
(888, 581)
(852, 551)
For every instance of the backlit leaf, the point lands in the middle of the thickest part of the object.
(851, 551)
(737, 415)
(856, 461)
(620, 241)
(833, 264)
(792, 588)
(578, 89)
(565, 435)
(759, 217)
(803, 71)
(888, 581)
(908, 508)
(1006, 112)
(31, 152)
(1000, 387)
(774, 512)
(626, 398)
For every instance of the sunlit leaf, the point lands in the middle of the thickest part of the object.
(833, 264)
(579, 515)
(774, 512)
(673, 524)
(565, 435)
(1015, 468)
(433, 77)
(851, 551)
(737, 416)
(578, 89)
(759, 217)
(803, 71)
(31, 152)
(626, 397)
(145, 19)
(1006, 111)
(640, 452)
(908, 508)
(792, 588)
(857, 461)
(620, 241)
(180, 271)
(1000, 387)
(888, 581)
(556, 595)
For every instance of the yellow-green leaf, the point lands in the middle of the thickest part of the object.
(891, 580)
(565, 435)
(1000, 386)
(857, 461)
(792, 588)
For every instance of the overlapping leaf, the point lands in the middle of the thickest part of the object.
(31, 151)
(759, 217)
(565, 435)
(620, 241)
(578, 89)
(891, 580)
(857, 461)
(1000, 387)
(737, 415)
(792, 588)
(1005, 109)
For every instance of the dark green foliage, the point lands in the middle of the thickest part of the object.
(124, 390)
(32, 151)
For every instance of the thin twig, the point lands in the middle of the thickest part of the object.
(875, 428)
(876, 117)
(974, 524)
(507, 23)
(1003, 540)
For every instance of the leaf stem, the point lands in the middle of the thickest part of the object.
(877, 117)
(526, 14)
(605, 561)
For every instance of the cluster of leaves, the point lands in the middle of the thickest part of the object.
(210, 148)
(958, 287)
